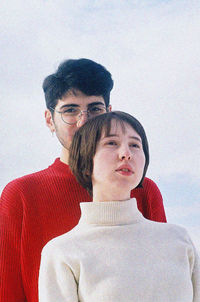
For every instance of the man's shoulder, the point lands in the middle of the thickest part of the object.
(29, 180)
(148, 186)
(148, 182)
(149, 200)
(32, 177)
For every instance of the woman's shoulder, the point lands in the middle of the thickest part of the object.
(169, 230)
(66, 242)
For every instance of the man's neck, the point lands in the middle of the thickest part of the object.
(64, 157)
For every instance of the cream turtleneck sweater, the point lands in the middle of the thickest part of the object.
(114, 254)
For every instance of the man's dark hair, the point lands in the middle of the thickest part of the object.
(84, 75)
(84, 143)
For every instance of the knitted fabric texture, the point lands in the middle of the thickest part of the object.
(38, 207)
(114, 254)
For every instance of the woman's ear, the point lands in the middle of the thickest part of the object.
(49, 120)
(87, 173)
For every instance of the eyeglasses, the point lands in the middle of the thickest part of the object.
(71, 115)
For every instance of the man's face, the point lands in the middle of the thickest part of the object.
(64, 131)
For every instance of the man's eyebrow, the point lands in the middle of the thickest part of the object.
(77, 105)
(96, 103)
(69, 105)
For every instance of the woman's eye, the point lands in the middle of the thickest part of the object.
(111, 143)
(135, 146)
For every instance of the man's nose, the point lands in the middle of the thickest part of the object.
(82, 118)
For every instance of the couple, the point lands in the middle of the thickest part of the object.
(114, 253)
(40, 206)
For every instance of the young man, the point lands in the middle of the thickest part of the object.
(37, 207)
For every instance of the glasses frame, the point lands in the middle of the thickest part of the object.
(79, 114)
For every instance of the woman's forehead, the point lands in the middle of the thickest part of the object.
(115, 126)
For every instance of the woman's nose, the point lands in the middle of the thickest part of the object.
(125, 155)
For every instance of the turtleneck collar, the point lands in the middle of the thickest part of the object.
(110, 212)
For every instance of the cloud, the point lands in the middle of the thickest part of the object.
(151, 48)
(181, 196)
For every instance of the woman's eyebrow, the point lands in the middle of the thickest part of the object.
(136, 137)
(110, 135)
(116, 135)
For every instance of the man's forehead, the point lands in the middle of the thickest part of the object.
(80, 100)
(74, 92)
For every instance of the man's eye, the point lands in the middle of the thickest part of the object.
(70, 111)
(96, 109)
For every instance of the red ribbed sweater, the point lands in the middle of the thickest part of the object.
(37, 207)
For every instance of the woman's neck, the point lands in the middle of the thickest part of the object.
(105, 195)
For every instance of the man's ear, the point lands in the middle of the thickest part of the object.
(109, 108)
(49, 120)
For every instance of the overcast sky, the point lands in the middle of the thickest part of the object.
(152, 50)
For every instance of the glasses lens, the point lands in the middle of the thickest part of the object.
(71, 115)
(96, 110)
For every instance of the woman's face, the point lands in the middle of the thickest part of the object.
(118, 164)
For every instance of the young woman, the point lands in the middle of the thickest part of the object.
(114, 254)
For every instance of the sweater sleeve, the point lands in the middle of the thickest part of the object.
(196, 277)
(11, 215)
(56, 279)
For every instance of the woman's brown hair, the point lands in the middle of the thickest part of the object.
(84, 143)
